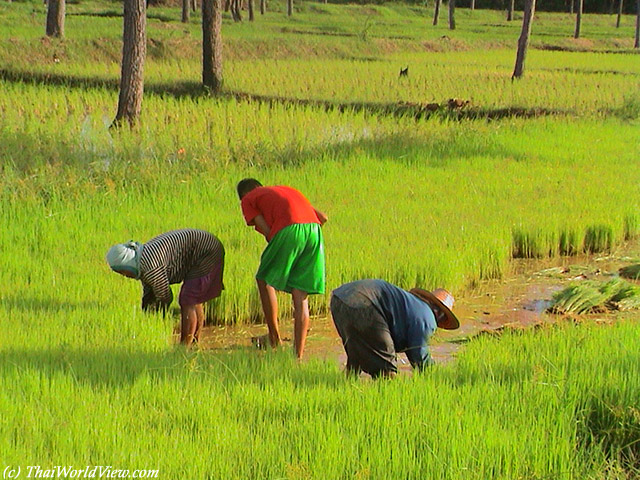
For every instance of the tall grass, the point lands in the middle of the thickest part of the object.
(466, 196)
(88, 379)
(76, 401)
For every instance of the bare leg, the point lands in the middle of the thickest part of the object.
(200, 325)
(301, 319)
(189, 324)
(270, 308)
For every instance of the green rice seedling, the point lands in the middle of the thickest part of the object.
(594, 296)
(569, 242)
(87, 378)
(631, 227)
(630, 271)
(64, 169)
(598, 238)
(250, 414)
(580, 298)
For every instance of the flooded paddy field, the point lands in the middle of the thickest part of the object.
(519, 301)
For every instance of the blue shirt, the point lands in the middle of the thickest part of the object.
(411, 320)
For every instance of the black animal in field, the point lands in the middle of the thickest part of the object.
(404, 72)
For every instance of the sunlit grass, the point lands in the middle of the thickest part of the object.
(466, 195)
(87, 378)
(133, 404)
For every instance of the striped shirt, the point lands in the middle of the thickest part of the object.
(176, 256)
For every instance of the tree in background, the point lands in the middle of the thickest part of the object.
(436, 12)
(620, 3)
(212, 44)
(510, 8)
(250, 7)
(452, 14)
(55, 18)
(263, 7)
(637, 44)
(186, 10)
(236, 11)
(134, 50)
(576, 34)
(523, 41)
(289, 7)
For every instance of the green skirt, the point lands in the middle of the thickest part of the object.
(294, 258)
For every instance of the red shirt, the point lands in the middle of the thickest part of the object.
(280, 206)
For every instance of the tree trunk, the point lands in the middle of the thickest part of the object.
(185, 10)
(436, 12)
(452, 14)
(637, 44)
(510, 9)
(55, 18)
(235, 11)
(620, 2)
(194, 5)
(250, 6)
(263, 7)
(571, 4)
(212, 44)
(473, 5)
(576, 34)
(134, 51)
(523, 41)
(289, 7)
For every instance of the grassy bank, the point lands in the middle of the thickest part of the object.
(94, 33)
(135, 405)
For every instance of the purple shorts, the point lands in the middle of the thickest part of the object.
(203, 289)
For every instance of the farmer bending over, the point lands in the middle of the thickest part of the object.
(193, 256)
(293, 260)
(376, 319)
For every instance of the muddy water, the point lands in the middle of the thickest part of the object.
(518, 301)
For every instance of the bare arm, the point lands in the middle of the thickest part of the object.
(261, 225)
(156, 296)
(321, 216)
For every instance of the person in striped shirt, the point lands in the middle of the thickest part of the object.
(293, 260)
(195, 257)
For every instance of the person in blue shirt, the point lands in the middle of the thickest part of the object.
(376, 319)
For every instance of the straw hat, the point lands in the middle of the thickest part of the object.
(443, 301)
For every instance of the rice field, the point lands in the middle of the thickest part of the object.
(87, 379)
(85, 178)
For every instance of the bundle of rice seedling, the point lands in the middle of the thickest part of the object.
(578, 298)
(627, 297)
(630, 271)
(592, 297)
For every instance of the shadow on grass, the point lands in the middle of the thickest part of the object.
(119, 14)
(174, 89)
(47, 305)
(452, 110)
(614, 427)
(114, 367)
(105, 14)
(336, 143)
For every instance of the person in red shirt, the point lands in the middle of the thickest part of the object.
(293, 260)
